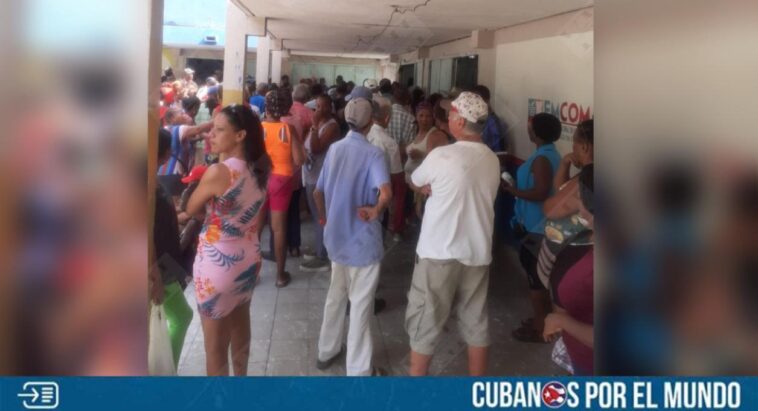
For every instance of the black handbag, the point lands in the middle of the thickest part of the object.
(172, 183)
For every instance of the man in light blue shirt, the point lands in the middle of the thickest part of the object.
(258, 101)
(351, 194)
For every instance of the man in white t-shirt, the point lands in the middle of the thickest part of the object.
(454, 248)
(380, 137)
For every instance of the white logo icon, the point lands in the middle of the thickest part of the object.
(40, 395)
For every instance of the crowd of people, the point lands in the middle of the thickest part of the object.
(373, 163)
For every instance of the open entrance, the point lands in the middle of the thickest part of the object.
(459, 72)
(465, 72)
(205, 68)
(407, 72)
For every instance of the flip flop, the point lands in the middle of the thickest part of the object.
(285, 282)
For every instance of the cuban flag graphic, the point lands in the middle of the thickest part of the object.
(554, 394)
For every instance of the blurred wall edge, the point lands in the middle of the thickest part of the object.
(79, 111)
(677, 158)
(153, 121)
(8, 28)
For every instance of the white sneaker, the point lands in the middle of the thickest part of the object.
(315, 265)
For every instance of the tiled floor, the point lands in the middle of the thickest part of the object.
(286, 322)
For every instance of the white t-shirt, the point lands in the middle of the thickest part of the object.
(378, 136)
(459, 215)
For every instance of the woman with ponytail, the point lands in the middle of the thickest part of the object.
(228, 261)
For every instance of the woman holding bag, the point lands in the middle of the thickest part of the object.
(167, 273)
(533, 186)
(228, 255)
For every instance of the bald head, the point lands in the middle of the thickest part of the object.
(382, 111)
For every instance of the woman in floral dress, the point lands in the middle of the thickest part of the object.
(228, 260)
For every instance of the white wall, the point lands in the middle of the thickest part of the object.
(389, 71)
(441, 55)
(455, 48)
(351, 69)
(544, 69)
(548, 59)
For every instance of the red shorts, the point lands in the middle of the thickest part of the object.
(279, 192)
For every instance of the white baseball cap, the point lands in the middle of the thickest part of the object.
(469, 106)
(358, 113)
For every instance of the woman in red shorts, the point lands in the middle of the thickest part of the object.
(286, 151)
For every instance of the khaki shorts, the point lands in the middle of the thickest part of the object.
(438, 287)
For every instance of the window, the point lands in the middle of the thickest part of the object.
(460, 72)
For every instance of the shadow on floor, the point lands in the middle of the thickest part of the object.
(285, 322)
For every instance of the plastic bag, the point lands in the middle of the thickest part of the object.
(560, 356)
(160, 357)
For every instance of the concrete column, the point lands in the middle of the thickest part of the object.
(234, 54)
(487, 68)
(387, 69)
(276, 66)
(425, 80)
(154, 42)
(483, 41)
(262, 60)
(286, 66)
(239, 24)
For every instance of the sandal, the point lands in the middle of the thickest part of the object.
(528, 334)
(284, 282)
(379, 372)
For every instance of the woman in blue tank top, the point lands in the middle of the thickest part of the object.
(534, 184)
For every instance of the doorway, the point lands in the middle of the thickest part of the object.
(465, 72)
(407, 72)
(205, 68)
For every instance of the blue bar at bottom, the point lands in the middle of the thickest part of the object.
(365, 394)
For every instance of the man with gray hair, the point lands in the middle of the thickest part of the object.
(455, 245)
(379, 137)
(300, 95)
(351, 194)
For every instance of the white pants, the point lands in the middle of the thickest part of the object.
(359, 285)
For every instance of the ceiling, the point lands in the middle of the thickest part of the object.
(393, 26)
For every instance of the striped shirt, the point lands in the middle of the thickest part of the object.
(402, 127)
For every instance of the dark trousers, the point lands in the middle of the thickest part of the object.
(399, 188)
(293, 222)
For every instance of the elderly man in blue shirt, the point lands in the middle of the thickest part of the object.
(351, 194)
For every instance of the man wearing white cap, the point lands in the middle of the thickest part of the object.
(351, 194)
(454, 247)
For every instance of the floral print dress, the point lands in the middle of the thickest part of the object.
(228, 253)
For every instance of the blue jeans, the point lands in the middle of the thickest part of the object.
(318, 247)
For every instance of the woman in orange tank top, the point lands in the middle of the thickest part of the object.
(285, 148)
